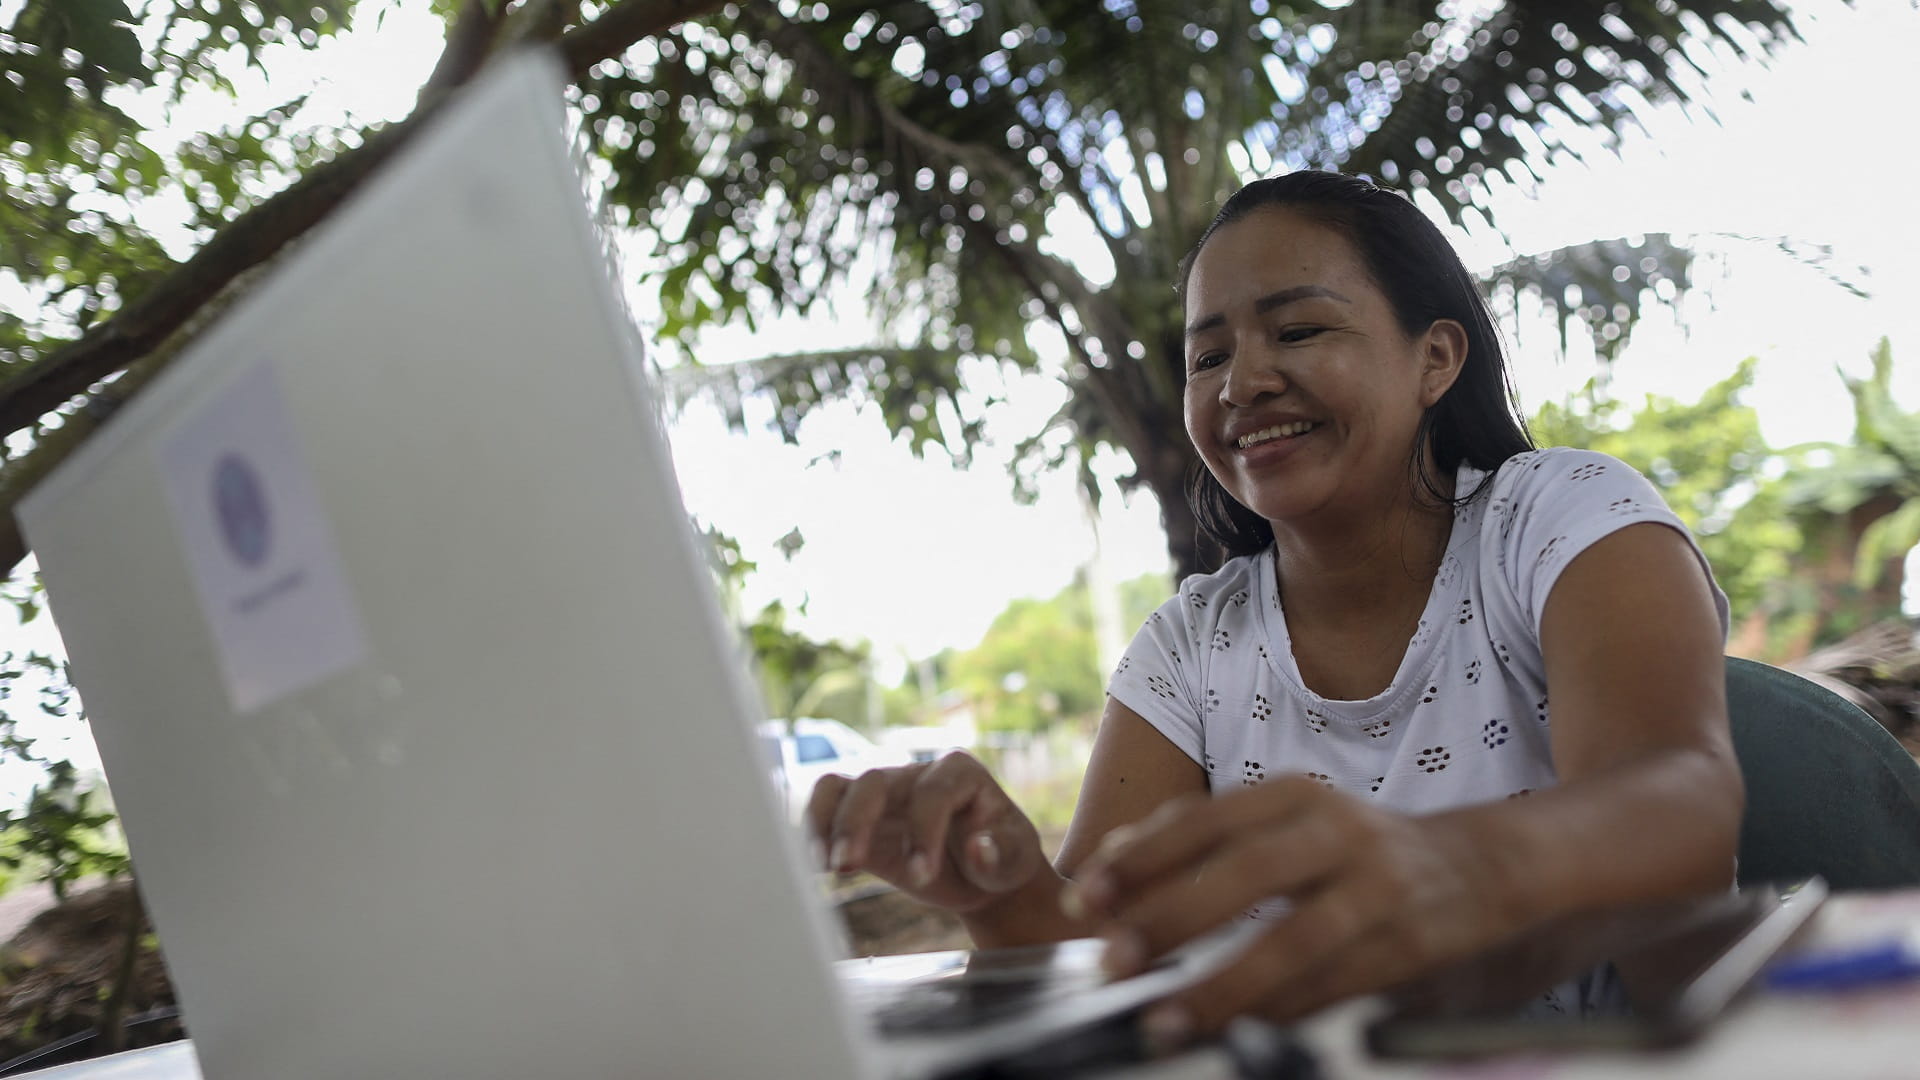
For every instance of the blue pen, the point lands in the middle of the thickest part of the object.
(1884, 960)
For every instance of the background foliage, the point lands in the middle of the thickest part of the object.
(1809, 542)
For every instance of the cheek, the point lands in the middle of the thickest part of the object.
(1193, 417)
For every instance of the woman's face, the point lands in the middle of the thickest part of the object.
(1303, 394)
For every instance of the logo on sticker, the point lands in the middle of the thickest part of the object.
(240, 502)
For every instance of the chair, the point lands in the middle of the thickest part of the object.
(1829, 791)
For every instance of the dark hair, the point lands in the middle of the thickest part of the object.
(1475, 421)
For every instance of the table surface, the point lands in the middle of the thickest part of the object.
(1863, 1034)
(1869, 1033)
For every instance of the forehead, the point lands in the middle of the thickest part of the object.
(1267, 250)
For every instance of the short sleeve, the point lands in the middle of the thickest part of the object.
(1158, 676)
(1563, 501)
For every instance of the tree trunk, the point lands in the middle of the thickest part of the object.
(1166, 474)
(1153, 432)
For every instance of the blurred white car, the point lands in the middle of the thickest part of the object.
(800, 752)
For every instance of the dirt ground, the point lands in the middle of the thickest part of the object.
(58, 971)
(881, 921)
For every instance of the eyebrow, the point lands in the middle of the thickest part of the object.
(1267, 303)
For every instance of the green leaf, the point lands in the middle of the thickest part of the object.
(1887, 539)
(101, 32)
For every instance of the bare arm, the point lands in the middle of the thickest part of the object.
(1132, 771)
(1650, 798)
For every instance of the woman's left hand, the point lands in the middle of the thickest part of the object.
(1378, 898)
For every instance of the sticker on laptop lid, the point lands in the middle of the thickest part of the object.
(258, 544)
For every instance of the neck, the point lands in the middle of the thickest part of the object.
(1364, 567)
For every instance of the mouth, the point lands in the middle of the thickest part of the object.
(1276, 432)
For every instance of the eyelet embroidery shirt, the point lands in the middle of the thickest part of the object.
(1466, 717)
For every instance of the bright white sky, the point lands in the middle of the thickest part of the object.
(915, 555)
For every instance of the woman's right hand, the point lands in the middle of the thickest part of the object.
(942, 831)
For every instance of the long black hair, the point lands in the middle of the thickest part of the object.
(1476, 421)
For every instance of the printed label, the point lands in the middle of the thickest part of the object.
(260, 549)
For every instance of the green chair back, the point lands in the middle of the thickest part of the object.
(1829, 791)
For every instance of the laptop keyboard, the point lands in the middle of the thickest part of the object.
(963, 1001)
(938, 993)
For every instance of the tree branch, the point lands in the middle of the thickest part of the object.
(52, 446)
(251, 239)
(262, 231)
(824, 74)
(468, 42)
(609, 35)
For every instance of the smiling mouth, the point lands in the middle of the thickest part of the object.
(1278, 431)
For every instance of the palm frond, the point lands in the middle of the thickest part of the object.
(1602, 284)
(910, 386)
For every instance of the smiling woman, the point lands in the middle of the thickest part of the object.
(1406, 282)
(1346, 730)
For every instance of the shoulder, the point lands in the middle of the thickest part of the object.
(1233, 585)
(1164, 674)
(1563, 484)
(1555, 467)
(1546, 507)
(1203, 602)
(1198, 605)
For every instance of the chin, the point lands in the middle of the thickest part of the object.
(1295, 489)
(1279, 508)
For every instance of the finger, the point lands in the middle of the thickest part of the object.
(861, 808)
(995, 842)
(942, 792)
(1279, 967)
(1091, 890)
(1290, 859)
(822, 806)
(1180, 837)
(1381, 958)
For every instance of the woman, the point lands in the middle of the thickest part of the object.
(1346, 730)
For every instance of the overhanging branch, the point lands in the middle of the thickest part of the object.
(825, 75)
(257, 235)
(52, 447)
(609, 35)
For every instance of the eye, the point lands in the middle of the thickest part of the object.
(1293, 335)
(1207, 360)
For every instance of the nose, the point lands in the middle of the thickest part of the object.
(1253, 374)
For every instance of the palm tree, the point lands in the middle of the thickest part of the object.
(773, 146)
(769, 150)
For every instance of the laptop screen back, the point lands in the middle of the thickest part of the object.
(432, 750)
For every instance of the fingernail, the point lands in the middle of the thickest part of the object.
(838, 860)
(1166, 1028)
(1071, 905)
(986, 851)
(920, 870)
(1124, 953)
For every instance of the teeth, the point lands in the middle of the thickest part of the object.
(1278, 431)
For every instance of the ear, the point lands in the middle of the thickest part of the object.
(1443, 353)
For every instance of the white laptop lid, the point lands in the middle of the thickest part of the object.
(407, 674)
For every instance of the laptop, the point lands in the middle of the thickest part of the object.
(433, 750)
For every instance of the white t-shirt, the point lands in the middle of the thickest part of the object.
(1466, 717)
